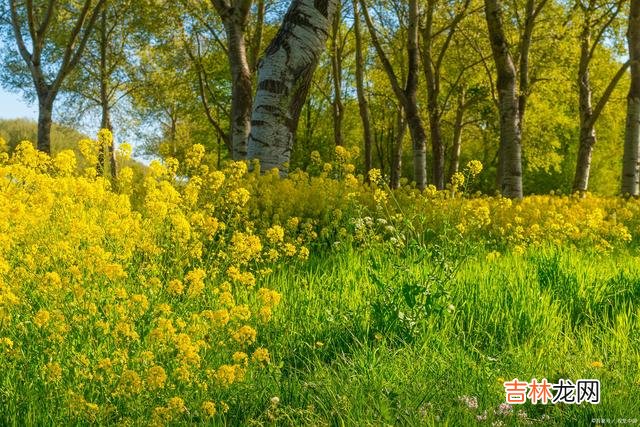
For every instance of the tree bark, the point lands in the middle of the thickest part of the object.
(363, 103)
(45, 111)
(336, 76)
(111, 152)
(241, 92)
(456, 146)
(631, 157)
(510, 136)
(285, 74)
(414, 121)
(587, 128)
(235, 18)
(396, 155)
(433, 92)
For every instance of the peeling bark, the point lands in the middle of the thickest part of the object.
(284, 76)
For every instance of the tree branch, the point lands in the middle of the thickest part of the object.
(602, 102)
(393, 79)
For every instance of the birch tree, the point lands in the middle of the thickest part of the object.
(510, 150)
(284, 76)
(631, 157)
(51, 38)
(596, 20)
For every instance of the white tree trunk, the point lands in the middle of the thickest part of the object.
(284, 76)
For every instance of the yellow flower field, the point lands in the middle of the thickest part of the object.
(144, 300)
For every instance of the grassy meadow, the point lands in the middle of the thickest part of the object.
(234, 298)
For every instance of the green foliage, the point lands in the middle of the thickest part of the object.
(512, 317)
(412, 296)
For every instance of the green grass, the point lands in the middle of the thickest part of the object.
(549, 313)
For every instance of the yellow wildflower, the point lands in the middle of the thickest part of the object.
(261, 355)
(156, 377)
(41, 318)
(245, 335)
(208, 408)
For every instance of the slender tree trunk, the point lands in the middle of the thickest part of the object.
(419, 138)
(241, 90)
(173, 131)
(235, 17)
(363, 103)
(396, 155)
(456, 146)
(532, 11)
(414, 121)
(510, 137)
(45, 111)
(308, 125)
(588, 113)
(105, 103)
(106, 124)
(437, 146)
(587, 125)
(336, 77)
(433, 92)
(380, 152)
(219, 152)
(631, 158)
(256, 41)
(285, 74)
